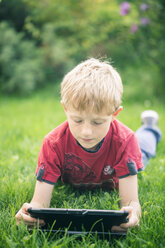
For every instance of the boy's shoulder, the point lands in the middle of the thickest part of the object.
(57, 133)
(121, 131)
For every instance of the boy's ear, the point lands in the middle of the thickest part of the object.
(117, 112)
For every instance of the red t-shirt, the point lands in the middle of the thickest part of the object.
(61, 156)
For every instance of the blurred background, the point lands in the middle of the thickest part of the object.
(42, 40)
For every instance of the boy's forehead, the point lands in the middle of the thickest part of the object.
(87, 113)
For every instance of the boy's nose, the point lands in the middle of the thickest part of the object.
(86, 130)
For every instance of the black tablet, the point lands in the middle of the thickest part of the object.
(79, 220)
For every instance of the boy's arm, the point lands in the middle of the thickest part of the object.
(128, 192)
(42, 194)
(41, 199)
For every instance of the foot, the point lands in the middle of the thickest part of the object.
(150, 118)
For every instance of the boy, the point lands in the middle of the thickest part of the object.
(91, 149)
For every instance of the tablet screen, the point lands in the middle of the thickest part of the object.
(79, 219)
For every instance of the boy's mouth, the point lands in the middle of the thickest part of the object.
(86, 140)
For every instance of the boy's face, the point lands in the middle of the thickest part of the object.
(88, 128)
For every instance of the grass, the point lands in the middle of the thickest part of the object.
(23, 125)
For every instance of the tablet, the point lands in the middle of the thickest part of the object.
(79, 220)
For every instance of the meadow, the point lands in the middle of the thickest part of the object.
(23, 124)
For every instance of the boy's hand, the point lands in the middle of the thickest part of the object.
(23, 214)
(133, 220)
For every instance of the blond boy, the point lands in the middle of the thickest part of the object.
(91, 149)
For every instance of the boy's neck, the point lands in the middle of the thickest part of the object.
(93, 149)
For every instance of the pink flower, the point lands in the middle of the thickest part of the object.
(124, 8)
(144, 6)
(134, 28)
(144, 21)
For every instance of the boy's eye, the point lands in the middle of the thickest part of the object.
(78, 121)
(97, 123)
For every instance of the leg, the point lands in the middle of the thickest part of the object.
(148, 136)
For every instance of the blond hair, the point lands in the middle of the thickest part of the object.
(92, 85)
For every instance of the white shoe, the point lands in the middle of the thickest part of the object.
(149, 118)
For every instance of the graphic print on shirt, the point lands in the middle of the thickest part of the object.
(76, 171)
(108, 179)
(108, 170)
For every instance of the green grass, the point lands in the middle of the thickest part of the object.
(23, 125)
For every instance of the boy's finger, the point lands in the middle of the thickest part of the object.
(25, 207)
(132, 222)
(27, 218)
(128, 209)
(117, 229)
(31, 224)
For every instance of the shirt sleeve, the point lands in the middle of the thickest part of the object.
(130, 162)
(48, 168)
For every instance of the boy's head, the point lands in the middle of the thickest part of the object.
(92, 85)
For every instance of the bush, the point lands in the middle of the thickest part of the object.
(21, 66)
(58, 55)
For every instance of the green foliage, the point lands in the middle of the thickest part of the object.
(58, 57)
(80, 28)
(148, 42)
(20, 62)
(67, 32)
(14, 12)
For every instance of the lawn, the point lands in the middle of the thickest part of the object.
(23, 124)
